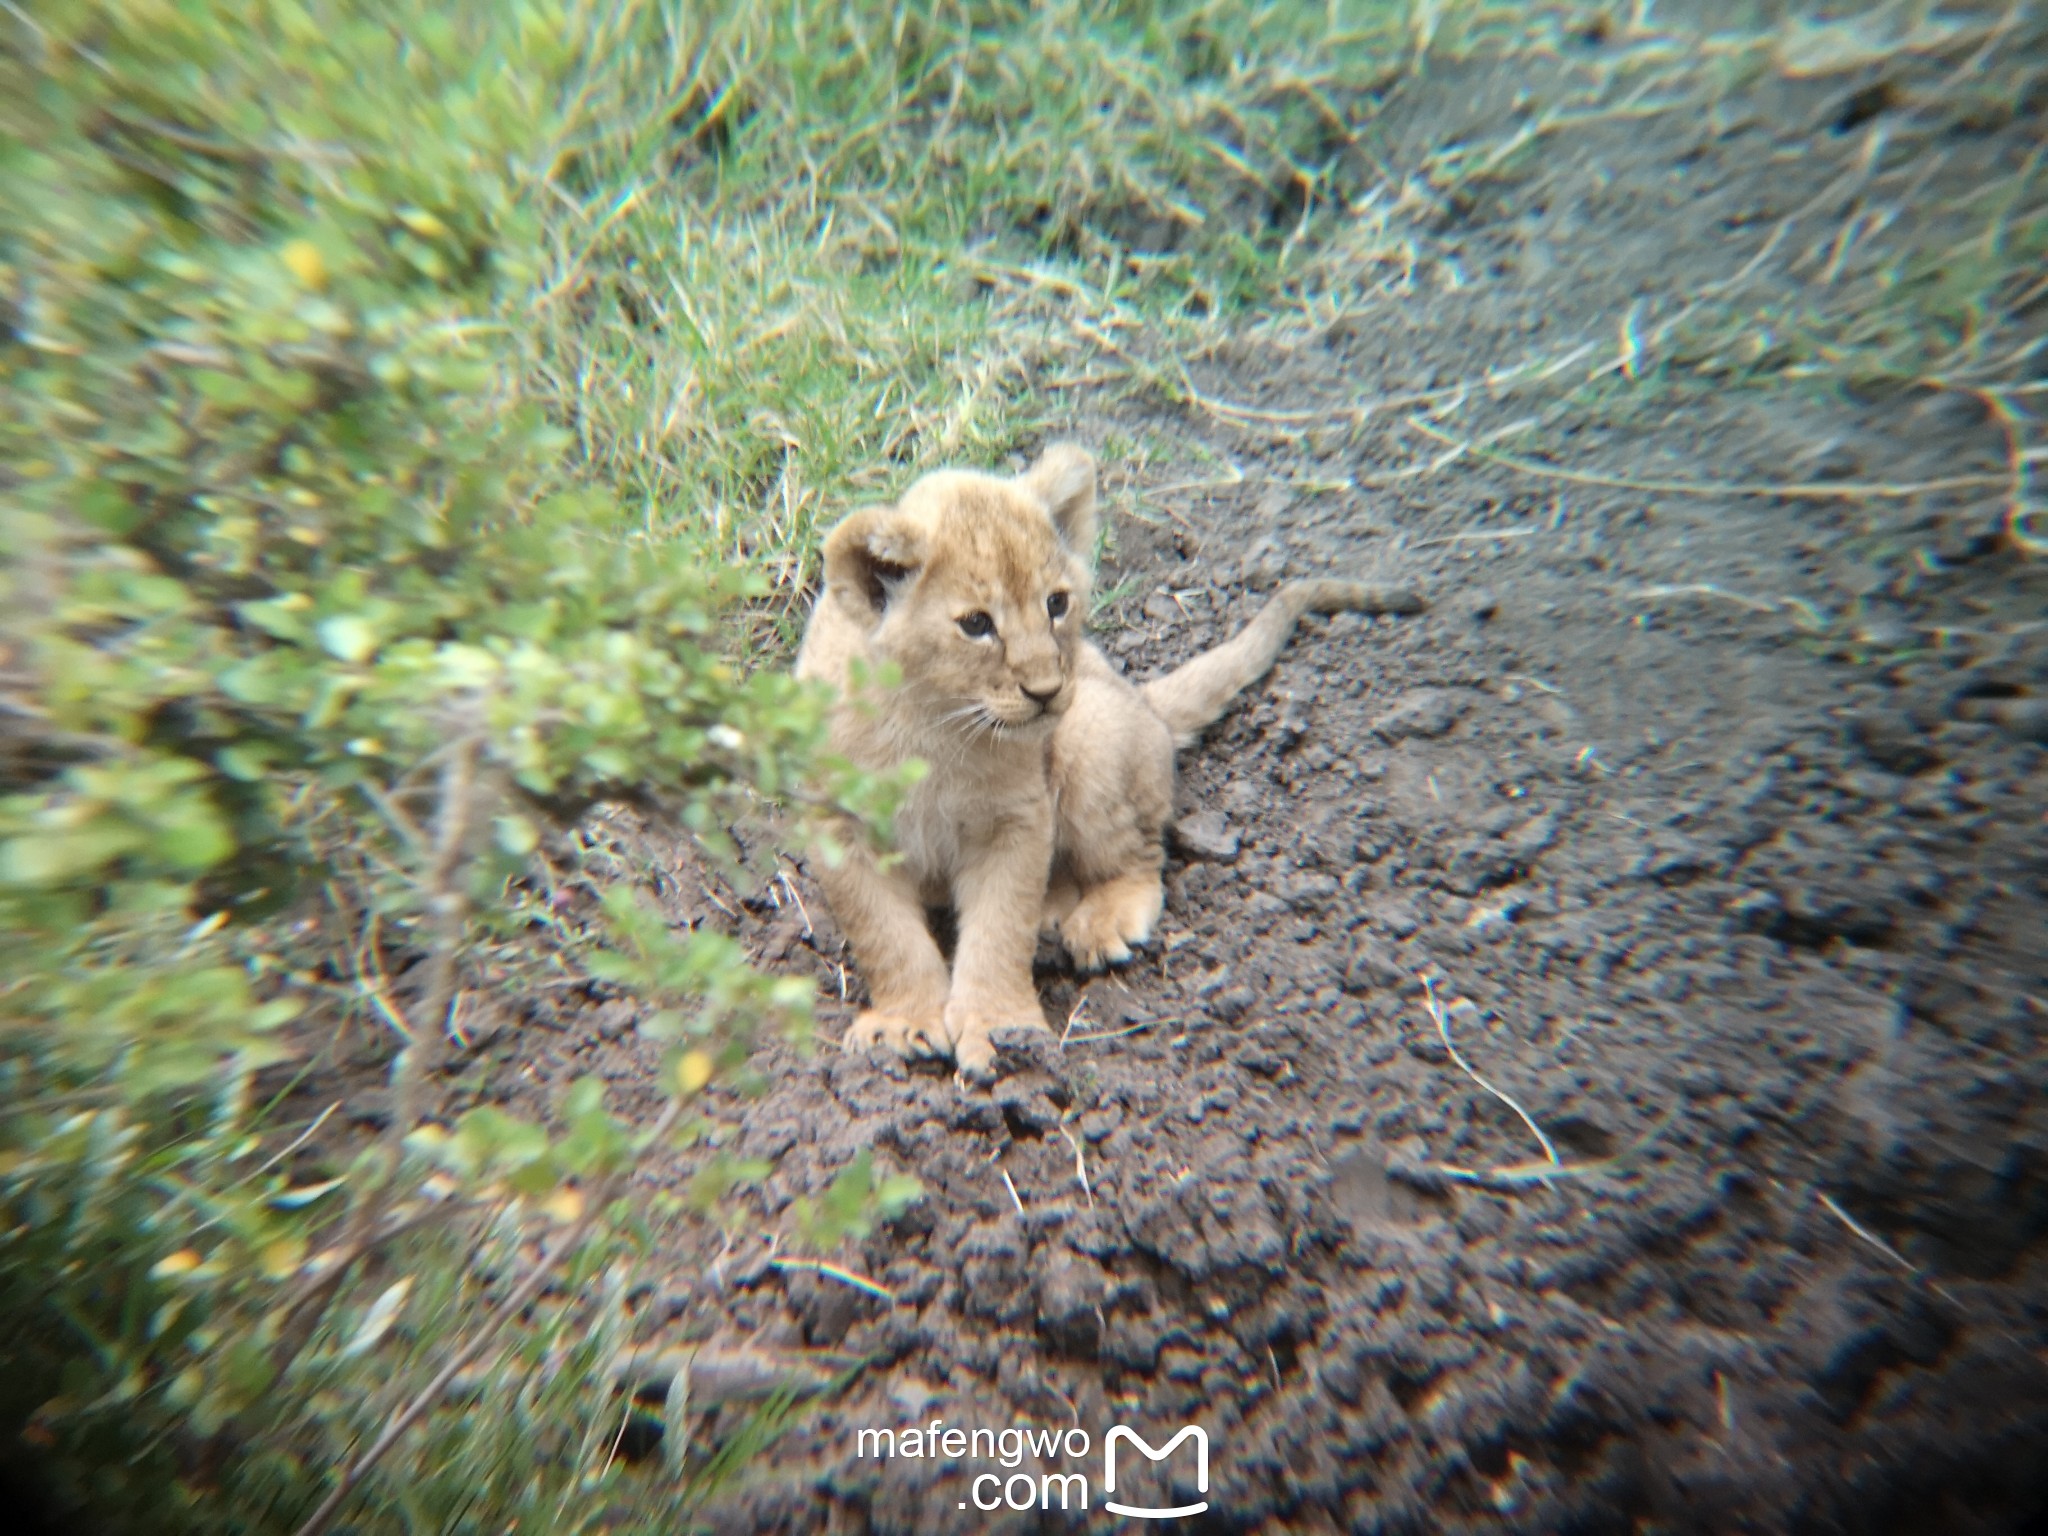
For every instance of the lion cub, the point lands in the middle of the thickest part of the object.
(1051, 777)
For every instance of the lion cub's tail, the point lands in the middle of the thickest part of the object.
(1196, 693)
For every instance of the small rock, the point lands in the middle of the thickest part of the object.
(1263, 567)
(1423, 712)
(1259, 1060)
(1070, 1292)
(1343, 1378)
(1836, 462)
(1891, 739)
(1427, 1048)
(1756, 911)
(913, 1397)
(1231, 1004)
(1022, 1050)
(1181, 1363)
(1672, 859)
(1133, 1343)
(2025, 719)
(1308, 889)
(1293, 723)
(1885, 634)
(1370, 966)
(1026, 1101)
(1274, 503)
(1207, 835)
(1498, 821)
(1396, 916)
(1482, 605)
(1533, 836)
(1097, 1124)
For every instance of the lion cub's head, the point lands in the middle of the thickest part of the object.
(977, 588)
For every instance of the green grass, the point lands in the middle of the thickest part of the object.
(799, 254)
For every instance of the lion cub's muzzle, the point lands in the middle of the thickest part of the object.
(1035, 706)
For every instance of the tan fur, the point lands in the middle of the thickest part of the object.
(1051, 776)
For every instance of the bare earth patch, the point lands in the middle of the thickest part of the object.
(1705, 826)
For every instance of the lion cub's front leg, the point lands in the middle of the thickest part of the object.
(998, 896)
(884, 922)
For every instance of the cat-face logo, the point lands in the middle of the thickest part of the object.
(1124, 1432)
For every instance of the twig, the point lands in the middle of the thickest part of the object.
(1517, 1176)
(1443, 1030)
(448, 908)
(1074, 1013)
(1466, 538)
(1011, 1186)
(379, 991)
(843, 1276)
(1080, 1165)
(1884, 1247)
(1111, 1034)
(289, 1148)
(789, 885)
(1707, 589)
(1832, 490)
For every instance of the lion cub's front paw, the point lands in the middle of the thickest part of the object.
(1109, 921)
(906, 1037)
(972, 1024)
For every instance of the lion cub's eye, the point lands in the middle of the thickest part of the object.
(977, 626)
(1056, 605)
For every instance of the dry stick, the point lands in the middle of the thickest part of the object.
(1109, 1034)
(287, 1150)
(1360, 412)
(1477, 538)
(796, 896)
(1080, 1166)
(449, 909)
(1707, 589)
(1841, 490)
(513, 1304)
(2018, 512)
(1443, 1031)
(1884, 1247)
(843, 1276)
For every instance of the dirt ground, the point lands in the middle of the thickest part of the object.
(1707, 829)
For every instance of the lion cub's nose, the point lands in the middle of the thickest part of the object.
(1038, 698)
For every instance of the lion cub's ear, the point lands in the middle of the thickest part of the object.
(871, 556)
(1064, 480)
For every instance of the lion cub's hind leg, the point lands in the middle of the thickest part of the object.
(1062, 895)
(1113, 769)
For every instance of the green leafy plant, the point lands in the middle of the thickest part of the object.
(313, 635)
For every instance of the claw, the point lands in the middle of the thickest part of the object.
(876, 1028)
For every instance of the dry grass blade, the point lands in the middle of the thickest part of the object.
(1825, 490)
(1443, 1031)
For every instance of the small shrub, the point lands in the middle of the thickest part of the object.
(311, 631)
